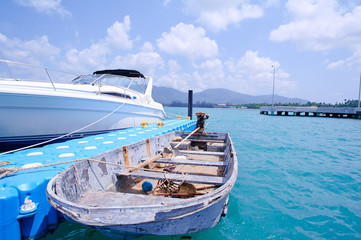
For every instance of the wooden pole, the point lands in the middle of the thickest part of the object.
(190, 103)
(195, 130)
(159, 156)
(145, 163)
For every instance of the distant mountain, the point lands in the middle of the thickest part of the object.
(166, 95)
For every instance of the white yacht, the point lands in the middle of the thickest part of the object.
(107, 100)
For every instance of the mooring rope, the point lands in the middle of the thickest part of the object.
(4, 163)
(9, 171)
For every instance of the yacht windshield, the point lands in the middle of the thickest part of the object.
(135, 84)
(85, 79)
(139, 85)
(116, 80)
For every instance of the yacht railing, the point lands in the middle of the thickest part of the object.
(98, 80)
(33, 66)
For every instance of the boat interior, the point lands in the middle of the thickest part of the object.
(181, 169)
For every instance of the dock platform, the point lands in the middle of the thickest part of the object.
(333, 112)
(24, 210)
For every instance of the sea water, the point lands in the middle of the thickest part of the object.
(298, 178)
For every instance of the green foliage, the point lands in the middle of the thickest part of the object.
(346, 103)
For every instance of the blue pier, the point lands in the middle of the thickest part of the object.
(24, 210)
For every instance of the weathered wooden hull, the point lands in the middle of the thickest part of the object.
(82, 194)
(189, 223)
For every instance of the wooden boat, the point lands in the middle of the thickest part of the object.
(190, 191)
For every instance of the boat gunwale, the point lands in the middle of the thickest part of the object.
(206, 200)
(203, 201)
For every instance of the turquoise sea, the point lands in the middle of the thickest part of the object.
(299, 178)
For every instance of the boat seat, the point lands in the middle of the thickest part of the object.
(192, 162)
(207, 141)
(201, 179)
(190, 152)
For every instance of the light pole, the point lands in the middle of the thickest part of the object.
(274, 77)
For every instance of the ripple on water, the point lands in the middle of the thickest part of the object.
(299, 178)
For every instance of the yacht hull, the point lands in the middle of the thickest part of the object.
(32, 118)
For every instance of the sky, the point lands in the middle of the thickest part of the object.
(311, 47)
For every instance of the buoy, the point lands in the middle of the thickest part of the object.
(32, 165)
(179, 117)
(144, 124)
(160, 124)
(147, 186)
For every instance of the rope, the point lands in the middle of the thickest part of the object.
(171, 116)
(4, 163)
(53, 139)
(9, 171)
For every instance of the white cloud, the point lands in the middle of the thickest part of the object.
(118, 34)
(173, 66)
(346, 64)
(165, 2)
(87, 59)
(45, 6)
(27, 51)
(212, 73)
(189, 41)
(250, 74)
(253, 74)
(36, 52)
(96, 56)
(146, 61)
(335, 65)
(147, 47)
(218, 15)
(99, 55)
(320, 25)
(181, 81)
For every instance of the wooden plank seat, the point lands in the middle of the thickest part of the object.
(201, 179)
(190, 152)
(192, 162)
(205, 140)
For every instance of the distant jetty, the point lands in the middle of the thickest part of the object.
(333, 112)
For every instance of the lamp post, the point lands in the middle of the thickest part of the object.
(274, 77)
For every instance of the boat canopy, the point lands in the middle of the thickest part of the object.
(121, 72)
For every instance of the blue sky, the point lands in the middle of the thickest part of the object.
(315, 45)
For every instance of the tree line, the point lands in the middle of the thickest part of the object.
(204, 104)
